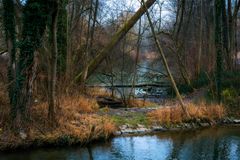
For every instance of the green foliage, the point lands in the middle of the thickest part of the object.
(201, 81)
(132, 119)
(231, 98)
(229, 94)
(231, 80)
(230, 89)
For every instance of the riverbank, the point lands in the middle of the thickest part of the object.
(77, 123)
(80, 121)
(170, 118)
(90, 127)
(221, 142)
(142, 130)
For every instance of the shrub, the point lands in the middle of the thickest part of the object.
(231, 98)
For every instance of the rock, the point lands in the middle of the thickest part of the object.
(129, 126)
(142, 130)
(178, 126)
(22, 135)
(117, 133)
(204, 124)
(123, 127)
(231, 120)
(119, 114)
(194, 125)
(187, 125)
(227, 120)
(140, 126)
(198, 120)
(236, 121)
(128, 131)
(158, 128)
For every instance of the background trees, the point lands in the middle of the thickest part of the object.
(60, 44)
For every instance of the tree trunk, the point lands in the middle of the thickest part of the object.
(10, 32)
(62, 36)
(166, 64)
(136, 59)
(200, 41)
(226, 36)
(53, 65)
(34, 24)
(115, 39)
(218, 45)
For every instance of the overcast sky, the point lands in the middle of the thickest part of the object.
(113, 8)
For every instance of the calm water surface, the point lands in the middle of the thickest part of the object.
(208, 144)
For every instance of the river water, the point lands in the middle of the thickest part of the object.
(208, 144)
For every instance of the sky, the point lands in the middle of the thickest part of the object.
(115, 7)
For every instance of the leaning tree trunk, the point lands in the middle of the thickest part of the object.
(115, 39)
(160, 50)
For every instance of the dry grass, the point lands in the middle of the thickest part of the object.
(140, 103)
(98, 91)
(75, 117)
(173, 115)
(80, 104)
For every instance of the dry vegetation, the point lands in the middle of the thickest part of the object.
(174, 115)
(3, 104)
(97, 91)
(77, 122)
(138, 103)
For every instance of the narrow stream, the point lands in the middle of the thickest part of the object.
(222, 143)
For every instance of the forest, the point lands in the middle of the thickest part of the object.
(110, 77)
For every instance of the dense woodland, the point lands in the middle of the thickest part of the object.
(56, 51)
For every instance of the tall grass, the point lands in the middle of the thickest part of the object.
(175, 115)
(75, 117)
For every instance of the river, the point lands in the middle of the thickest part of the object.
(220, 143)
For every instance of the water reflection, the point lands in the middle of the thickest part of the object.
(207, 144)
